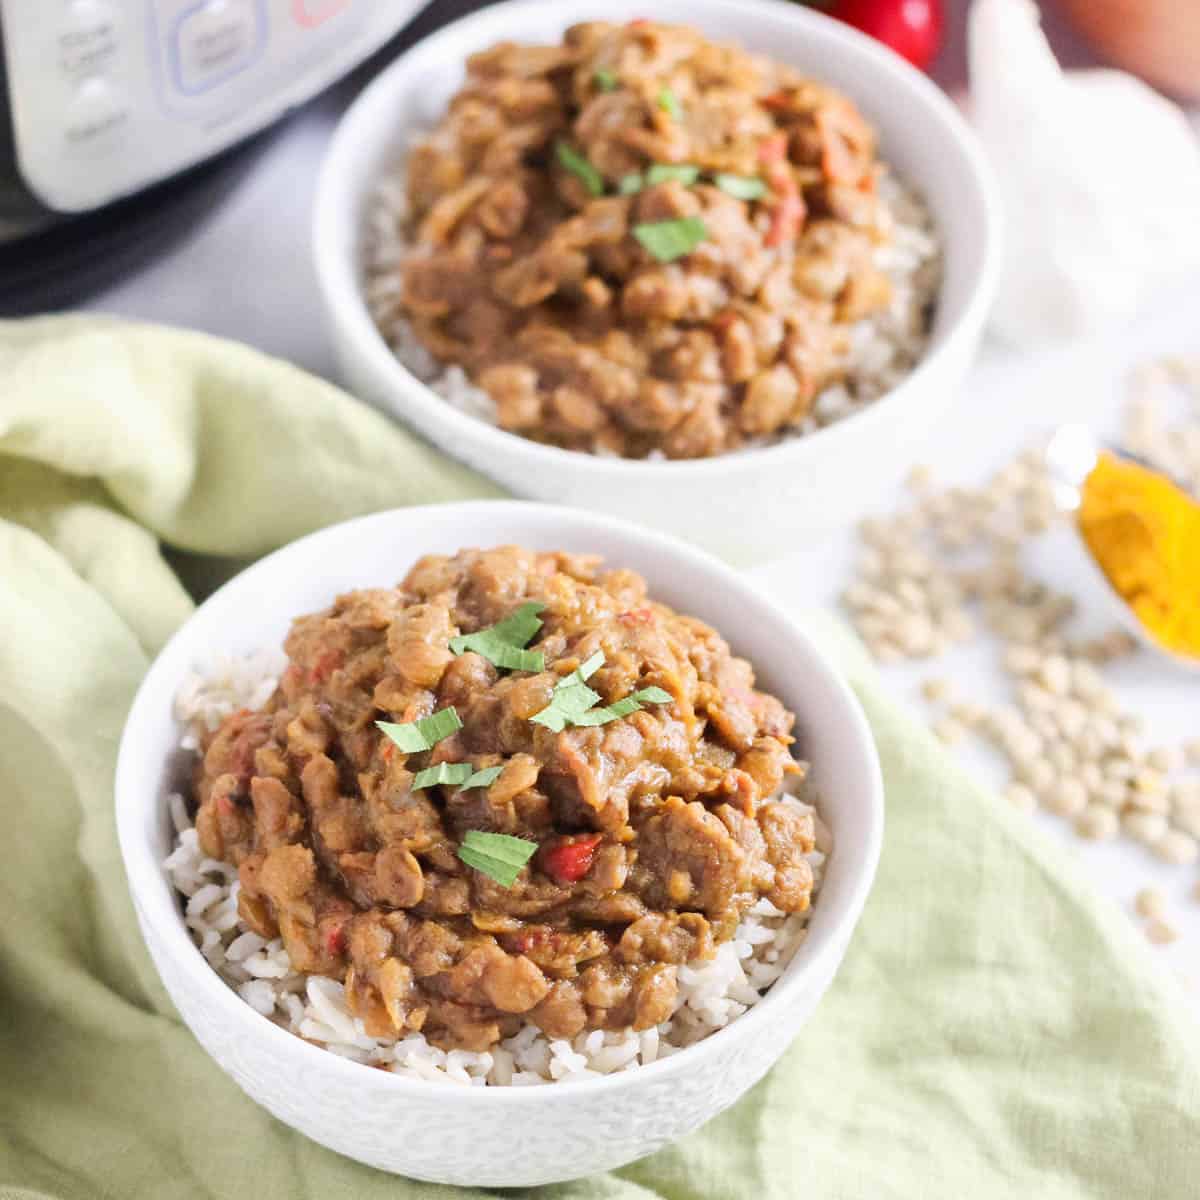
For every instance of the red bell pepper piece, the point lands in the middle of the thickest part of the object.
(785, 220)
(325, 665)
(335, 940)
(789, 212)
(571, 859)
(773, 149)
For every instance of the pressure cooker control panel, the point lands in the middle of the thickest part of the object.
(109, 96)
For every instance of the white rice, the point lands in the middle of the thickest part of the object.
(711, 994)
(884, 347)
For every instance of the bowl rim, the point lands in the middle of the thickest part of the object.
(157, 902)
(345, 303)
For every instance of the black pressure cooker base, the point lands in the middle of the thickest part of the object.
(69, 258)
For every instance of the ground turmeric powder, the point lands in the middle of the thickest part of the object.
(1144, 532)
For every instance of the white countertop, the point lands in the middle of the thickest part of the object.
(246, 274)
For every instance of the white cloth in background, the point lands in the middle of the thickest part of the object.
(1099, 177)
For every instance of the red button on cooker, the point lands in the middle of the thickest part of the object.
(311, 13)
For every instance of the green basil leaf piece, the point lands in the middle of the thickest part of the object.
(497, 855)
(579, 166)
(669, 240)
(483, 778)
(685, 173)
(669, 103)
(503, 644)
(623, 707)
(460, 775)
(415, 736)
(740, 187)
(571, 697)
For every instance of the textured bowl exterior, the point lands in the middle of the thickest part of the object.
(565, 1132)
(495, 1136)
(745, 506)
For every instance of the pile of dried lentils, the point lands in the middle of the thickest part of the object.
(947, 569)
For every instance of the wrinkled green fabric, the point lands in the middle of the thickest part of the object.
(996, 1030)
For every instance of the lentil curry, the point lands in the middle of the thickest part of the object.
(640, 241)
(598, 800)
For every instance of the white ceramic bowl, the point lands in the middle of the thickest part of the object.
(745, 506)
(496, 1136)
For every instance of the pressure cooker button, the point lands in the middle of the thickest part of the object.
(215, 41)
(88, 39)
(311, 13)
(97, 115)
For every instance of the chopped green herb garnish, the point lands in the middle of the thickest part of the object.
(669, 103)
(630, 184)
(521, 624)
(741, 187)
(503, 644)
(460, 775)
(572, 696)
(496, 855)
(588, 667)
(573, 700)
(415, 736)
(579, 166)
(685, 173)
(484, 777)
(669, 240)
(454, 774)
(606, 80)
(622, 708)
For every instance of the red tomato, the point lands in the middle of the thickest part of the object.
(774, 148)
(326, 664)
(571, 859)
(913, 28)
(786, 220)
(335, 939)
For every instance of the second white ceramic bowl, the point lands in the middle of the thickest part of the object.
(505, 1137)
(746, 506)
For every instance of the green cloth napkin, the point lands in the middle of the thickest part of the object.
(997, 1030)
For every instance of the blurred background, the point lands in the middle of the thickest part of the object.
(210, 244)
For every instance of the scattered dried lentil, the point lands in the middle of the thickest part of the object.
(1068, 798)
(1165, 758)
(1097, 823)
(1151, 903)
(949, 731)
(1161, 933)
(1177, 848)
(1021, 797)
(1188, 821)
(925, 571)
(1144, 827)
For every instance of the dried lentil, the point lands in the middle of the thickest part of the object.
(1067, 798)
(1097, 823)
(1143, 827)
(1177, 848)
(1150, 903)
(1161, 933)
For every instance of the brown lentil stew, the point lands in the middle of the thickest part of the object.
(642, 241)
(653, 832)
